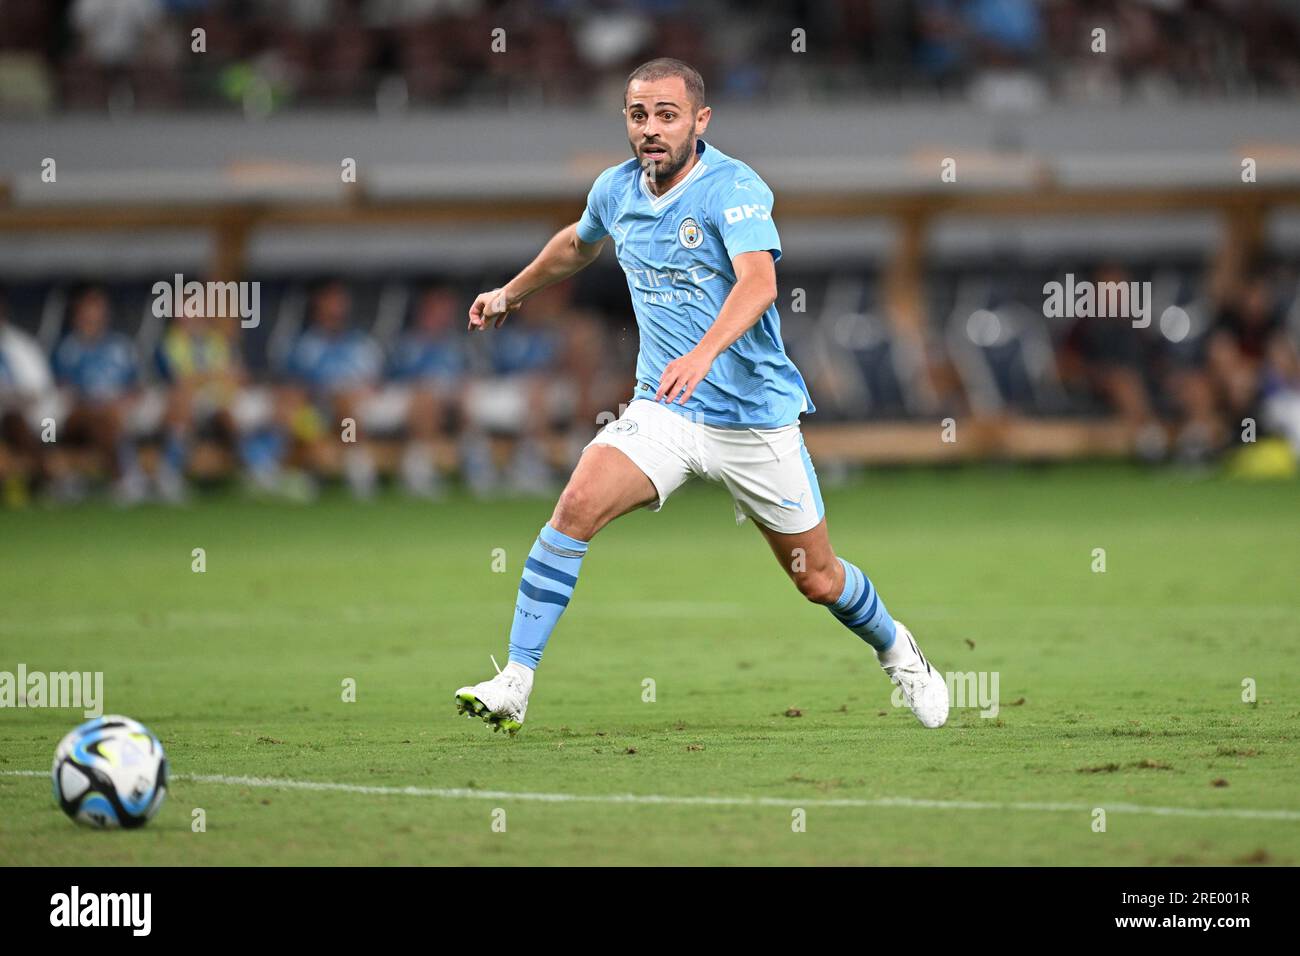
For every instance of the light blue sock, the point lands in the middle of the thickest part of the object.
(549, 575)
(861, 610)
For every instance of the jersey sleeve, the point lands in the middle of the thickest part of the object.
(591, 227)
(742, 213)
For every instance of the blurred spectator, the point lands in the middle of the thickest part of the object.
(940, 47)
(518, 397)
(1126, 371)
(1105, 357)
(337, 369)
(517, 401)
(1271, 36)
(1004, 31)
(28, 402)
(429, 367)
(266, 54)
(204, 378)
(1254, 364)
(1247, 346)
(590, 377)
(98, 367)
(125, 48)
(111, 32)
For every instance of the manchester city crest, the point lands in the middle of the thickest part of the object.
(689, 233)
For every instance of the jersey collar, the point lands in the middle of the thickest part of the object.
(657, 203)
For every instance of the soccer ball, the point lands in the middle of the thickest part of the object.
(110, 772)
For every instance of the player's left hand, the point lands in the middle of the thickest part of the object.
(683, 374)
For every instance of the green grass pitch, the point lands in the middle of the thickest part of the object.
(1118, 690)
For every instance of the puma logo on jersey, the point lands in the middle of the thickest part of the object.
(747, 211)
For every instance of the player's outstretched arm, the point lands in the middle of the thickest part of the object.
(560, 258)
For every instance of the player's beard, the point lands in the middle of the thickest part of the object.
(672, 165)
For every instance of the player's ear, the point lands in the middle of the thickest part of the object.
(702, 118)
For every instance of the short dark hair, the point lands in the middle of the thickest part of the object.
(664, 67)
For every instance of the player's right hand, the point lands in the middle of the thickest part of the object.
(491, 307)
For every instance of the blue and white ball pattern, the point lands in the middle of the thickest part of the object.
(110, 772)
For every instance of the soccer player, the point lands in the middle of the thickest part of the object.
(716, 394)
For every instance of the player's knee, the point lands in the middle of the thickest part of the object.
(817, 586)
(576, 514)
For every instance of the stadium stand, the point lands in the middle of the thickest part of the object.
(907, 298)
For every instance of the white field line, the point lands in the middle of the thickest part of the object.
(271, 783)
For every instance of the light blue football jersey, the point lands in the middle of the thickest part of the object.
(676, 250)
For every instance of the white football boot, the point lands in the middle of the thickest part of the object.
(923, 687)
(501, 701)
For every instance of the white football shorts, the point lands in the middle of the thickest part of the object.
(767, 470)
